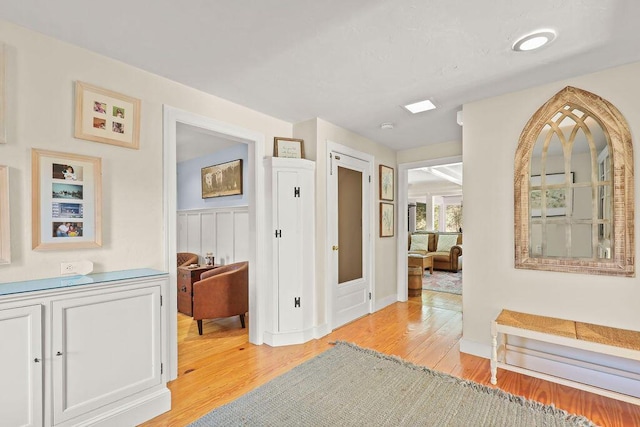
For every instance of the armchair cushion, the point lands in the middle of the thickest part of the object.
(446, 241)
(419, 242)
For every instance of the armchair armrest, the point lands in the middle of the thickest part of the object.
(455, 253)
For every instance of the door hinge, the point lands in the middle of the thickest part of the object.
(161, 368)
(330, 164)
(369, 178)
(296, 301)
(278, 233)
(369, 295)
(296, 191)
(160, 300)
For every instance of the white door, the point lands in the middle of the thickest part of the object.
(288, 211)
(349, 230)
(21, 366)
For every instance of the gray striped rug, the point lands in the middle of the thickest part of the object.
(351, 386)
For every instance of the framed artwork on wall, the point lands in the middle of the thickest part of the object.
(288, 147)
(3, 132)
(107, 117)
(386, 219)
(224, 179)
(5, 240)
(66, 200)
(386, 183)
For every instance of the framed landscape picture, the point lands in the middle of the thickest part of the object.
(386, 183)
(224, 179)
(66, 200)
(107, 117)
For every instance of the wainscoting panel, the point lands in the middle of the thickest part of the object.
(222, 231)
(241, 235)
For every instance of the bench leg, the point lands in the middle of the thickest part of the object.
(494, 354)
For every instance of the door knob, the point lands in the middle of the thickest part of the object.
(335, 248)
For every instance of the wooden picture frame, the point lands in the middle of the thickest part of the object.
(288, 147)
(387, 223)
(386, 182)
(224, 179)
(5, 227)
(106, 116)
(66, 200)
(3, 102)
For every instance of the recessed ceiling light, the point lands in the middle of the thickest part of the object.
(419, 107)
(534, 40)
(386, 126)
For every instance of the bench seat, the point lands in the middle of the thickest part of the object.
(585, 336)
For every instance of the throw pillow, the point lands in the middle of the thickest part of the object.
(446, 241)
(419, 242)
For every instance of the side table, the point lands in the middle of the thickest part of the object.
(187, 276)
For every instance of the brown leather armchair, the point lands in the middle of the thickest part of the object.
(222, 292)
(185, 259)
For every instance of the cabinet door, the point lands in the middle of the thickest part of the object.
(105, 346)
(21, 366)
(289, 262)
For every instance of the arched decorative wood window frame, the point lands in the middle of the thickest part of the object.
(615, 126)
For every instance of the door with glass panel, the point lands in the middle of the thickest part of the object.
(349, 216)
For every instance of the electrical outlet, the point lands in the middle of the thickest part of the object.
(68, 268)
(75, 268)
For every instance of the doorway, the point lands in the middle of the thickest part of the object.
(256, 201)
(403, 206)
(349, 220)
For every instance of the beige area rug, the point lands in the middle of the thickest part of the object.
(351, 386)
(443, 281)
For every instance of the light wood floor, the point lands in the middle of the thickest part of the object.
(221, 365)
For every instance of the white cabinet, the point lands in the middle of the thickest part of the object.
(21, 366)
(290, 298)
(84, 355)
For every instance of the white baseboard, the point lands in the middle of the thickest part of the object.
(384, 302)
(133, 413)
(475, 348)
(321, 331)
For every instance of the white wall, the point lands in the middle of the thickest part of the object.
(41, 73)
(490, 137)
(189, 180)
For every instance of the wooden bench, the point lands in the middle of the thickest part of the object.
(585, 336)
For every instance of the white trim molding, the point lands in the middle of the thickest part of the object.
(257, 230)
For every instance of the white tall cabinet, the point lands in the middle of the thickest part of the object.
(290, 306)
(83, 351)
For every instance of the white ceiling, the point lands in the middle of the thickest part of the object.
(352, 63)
(435, 181)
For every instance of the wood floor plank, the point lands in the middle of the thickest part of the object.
(221, 365)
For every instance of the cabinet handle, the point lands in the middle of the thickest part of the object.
(59, 353)
(36, 360)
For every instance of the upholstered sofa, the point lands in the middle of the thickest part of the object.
(444, 247)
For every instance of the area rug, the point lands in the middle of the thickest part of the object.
(443, 281)
(351, 386)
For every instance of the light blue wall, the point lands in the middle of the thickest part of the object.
(189, 184)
